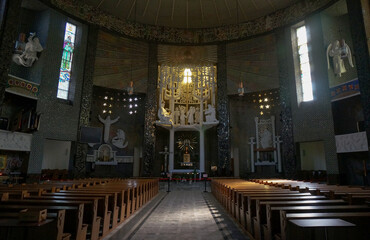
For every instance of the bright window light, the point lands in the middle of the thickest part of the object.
(187, 75)
(304, 64)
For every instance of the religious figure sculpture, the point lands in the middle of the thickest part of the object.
(176, 115)
(163, 115)
(210, 114)
(29, 56)
(197, 115)
(190, 115)
(182, 115)
(266, 139)
(338, 51)
(120, 140)
(107, 122)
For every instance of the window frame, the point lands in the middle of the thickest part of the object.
(70, 92)
(297, 64)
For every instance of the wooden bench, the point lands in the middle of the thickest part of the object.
(88, 214)
(260, 214)
(51, 228)
(272, 226)
(361, 219)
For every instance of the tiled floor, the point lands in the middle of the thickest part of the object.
(184, 213)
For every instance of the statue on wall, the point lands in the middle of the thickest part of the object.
(176, 115)
(339, 50)
(210, 114)
(266, 138)
(163, 115)
(107, 122)
(120, 140)
(29, 56)
(182, 115)
(197, 115)
(190, 115)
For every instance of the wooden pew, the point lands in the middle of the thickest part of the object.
(102, 208)
(51, 228)
(273, 214)
(361, 219)
(260, 206)
(73, 223)
(89, 214)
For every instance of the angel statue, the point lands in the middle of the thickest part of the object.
(339, 50)
(120, 140)
(29, 56)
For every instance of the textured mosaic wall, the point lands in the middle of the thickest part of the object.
(361, 53)
(223, 129)
(9, 35)
(161, 34)
(286, 77)
(59, 119)
(86, 98)
(151, 106)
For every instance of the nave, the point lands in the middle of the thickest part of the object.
(187, 212)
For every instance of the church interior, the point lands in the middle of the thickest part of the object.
(133, 94)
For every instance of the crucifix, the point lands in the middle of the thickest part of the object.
(165, 153)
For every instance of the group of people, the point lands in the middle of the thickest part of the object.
(180, 115)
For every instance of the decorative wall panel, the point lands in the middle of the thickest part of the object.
(361, 53)
(9, 35)
(86, 98)
(277, 19)
(223, 129)
(285, 79)
(151, 106)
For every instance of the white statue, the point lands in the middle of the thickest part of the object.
(29, 56)
(266, 139)
(163, 115)
(197, 115)
(210, 114)
(182, 115)
(176, 115)
(120, 140)
(107, 122)
(190, 115)
(339, 50)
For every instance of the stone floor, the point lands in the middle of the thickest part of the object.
(184, 213)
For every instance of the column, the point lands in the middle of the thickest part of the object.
(288, 150)
(10, 12)
(172, 150)
(361, 54)
(151, 106)
(223, 129)
(86, 98)
(201, 151)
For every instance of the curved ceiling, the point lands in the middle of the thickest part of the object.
(189, 13)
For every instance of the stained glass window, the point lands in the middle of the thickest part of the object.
(66, 64)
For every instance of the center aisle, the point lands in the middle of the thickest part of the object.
(184, 213)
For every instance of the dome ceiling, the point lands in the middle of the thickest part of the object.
(189, 13)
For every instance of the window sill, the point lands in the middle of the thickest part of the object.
(64, 101)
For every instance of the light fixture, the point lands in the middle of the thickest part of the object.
(130, 88)
(241, 89)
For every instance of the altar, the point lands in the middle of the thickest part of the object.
(187, 110)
